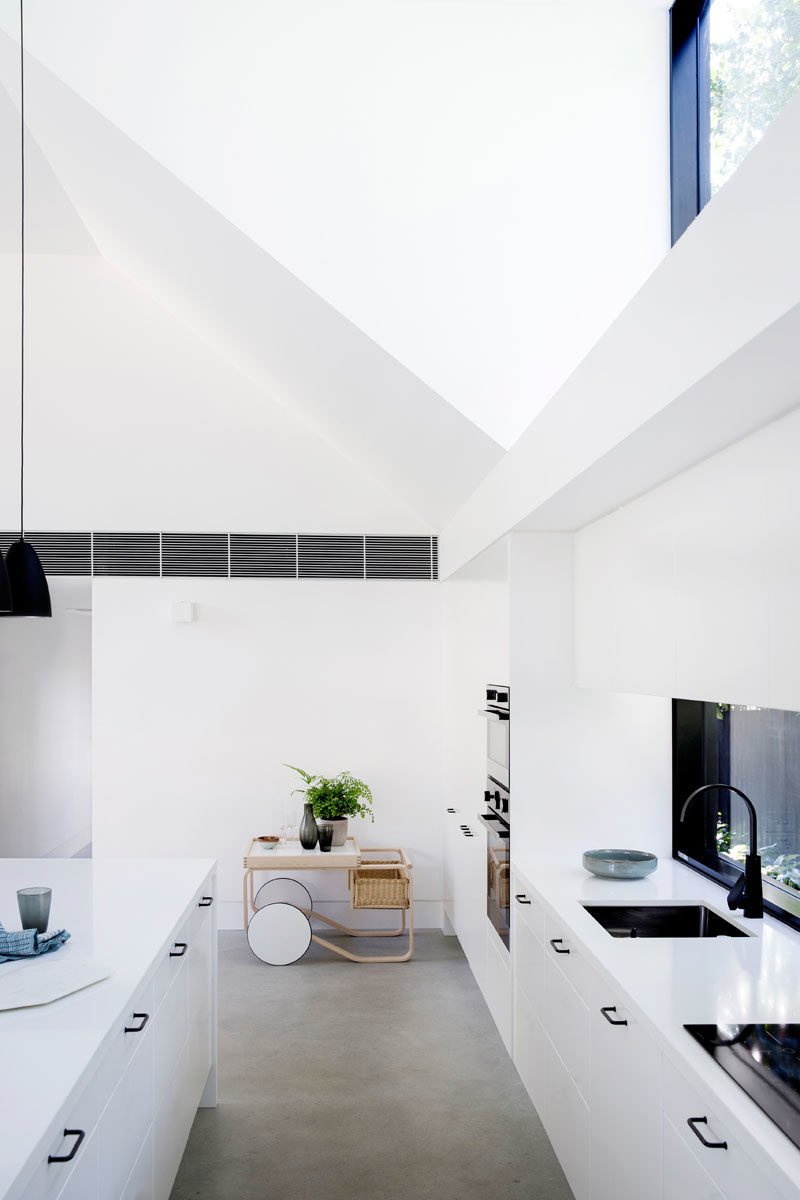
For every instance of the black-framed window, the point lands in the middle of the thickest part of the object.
(757, 750)
(734, 67)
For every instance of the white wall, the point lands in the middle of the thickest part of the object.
(192, 722)
(134, 422)
(479, 185)
(45, 728)
(590, 768)
(703, 355)
(694, 589)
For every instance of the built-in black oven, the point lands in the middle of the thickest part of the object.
(496, 814)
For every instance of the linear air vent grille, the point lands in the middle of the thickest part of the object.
(235, 555)
(263, 555)
(59, 553)
(196, 554)
(127, 554)
(324, 556)
(398, 558)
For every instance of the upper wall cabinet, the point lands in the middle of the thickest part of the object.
(693, 589)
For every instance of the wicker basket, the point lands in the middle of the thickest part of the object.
(386, 887)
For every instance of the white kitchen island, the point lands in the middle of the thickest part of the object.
(126, 1061)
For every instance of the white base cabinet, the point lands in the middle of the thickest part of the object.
(624, 1123)
(136, 1110)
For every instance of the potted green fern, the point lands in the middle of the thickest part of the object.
(335, 799)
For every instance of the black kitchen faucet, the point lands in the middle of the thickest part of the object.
(746, 893)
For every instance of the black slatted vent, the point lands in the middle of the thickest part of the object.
(242, 555)
(63, 553)
(127, 554)
(201, 555)
(398, 558)
(324, 556)
(263, 556)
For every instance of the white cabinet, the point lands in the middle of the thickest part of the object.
(565, 1116)
(706, 1159)
(625, 1102)
(527, 950)
(465, 881)
(124, 1135)
(684, 1177)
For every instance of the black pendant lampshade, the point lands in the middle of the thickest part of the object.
(29, 592)
(5, 589)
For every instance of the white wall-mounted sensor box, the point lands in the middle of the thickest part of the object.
(182, 611)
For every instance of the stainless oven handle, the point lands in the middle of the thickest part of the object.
(502, 832)
(493, 716)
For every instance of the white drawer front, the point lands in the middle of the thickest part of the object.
(562, 950)
(566, 1021)
(731, 1169)
(684, 1177)
(140, 1182)
(566, 1119)
(529, 964)
(125, 1044)
(171, 960)
(171, 1029)
(529, 1039)
(526, 908)
(126, 1119)
(49, 1179)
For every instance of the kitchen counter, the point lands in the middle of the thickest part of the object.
(672, 982)
(120, 913)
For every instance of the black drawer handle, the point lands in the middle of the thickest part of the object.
(693, 1122)
(520, 899)
(143, 1018)
(609, 1009)
(556, 943)
(450, 810)
(80, 1134)
(180, 950)
(206, 902)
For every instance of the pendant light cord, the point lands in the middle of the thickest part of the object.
(22, 283)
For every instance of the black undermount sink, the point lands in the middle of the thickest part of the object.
(662, 921)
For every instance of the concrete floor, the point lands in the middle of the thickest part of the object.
(348, 1082)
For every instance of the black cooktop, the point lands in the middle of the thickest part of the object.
(765, 1061)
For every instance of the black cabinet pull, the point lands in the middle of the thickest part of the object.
(609, 1009)
(520, 899)
(557, 943)
(80, 1134)
(180, 949)
(450, 810)
(143, 1018)
(693, 1122)
(206, 902)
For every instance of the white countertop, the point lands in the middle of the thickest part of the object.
(676, 981)
(121, 914)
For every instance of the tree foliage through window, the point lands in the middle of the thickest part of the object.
(755, 69)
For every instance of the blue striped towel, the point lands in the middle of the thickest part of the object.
(27, 943)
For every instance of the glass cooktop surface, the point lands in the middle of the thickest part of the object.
(765, 1061)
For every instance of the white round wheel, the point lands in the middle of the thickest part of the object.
(279, 934)
(283, 891)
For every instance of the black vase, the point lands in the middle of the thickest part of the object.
(308, 828)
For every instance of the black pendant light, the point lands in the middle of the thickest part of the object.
(30, 596)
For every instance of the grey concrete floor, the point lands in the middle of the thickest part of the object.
(347, 1082)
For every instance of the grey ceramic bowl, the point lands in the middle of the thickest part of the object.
(620, 864)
